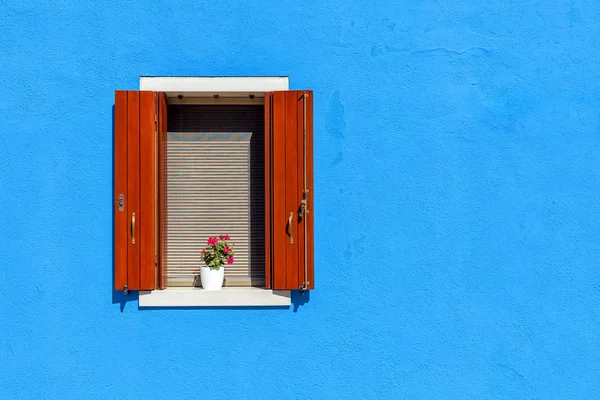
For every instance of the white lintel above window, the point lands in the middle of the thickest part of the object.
(208, 87)
(204, 86)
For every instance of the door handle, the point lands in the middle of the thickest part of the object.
(290, 230)
(132, 228)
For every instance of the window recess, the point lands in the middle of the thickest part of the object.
(215, 185)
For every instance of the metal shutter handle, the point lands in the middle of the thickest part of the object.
(132, 228)
(290, 230)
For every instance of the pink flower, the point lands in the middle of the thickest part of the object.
(212, 241)
(203, 251)
(230, 260)
(226, 249)
(225, 237)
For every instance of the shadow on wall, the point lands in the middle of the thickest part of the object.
(299, 299)
(214, 308)
(118, 297)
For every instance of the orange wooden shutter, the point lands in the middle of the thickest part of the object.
(136, 190)
(289, 181)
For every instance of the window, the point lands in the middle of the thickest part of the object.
(202, 156)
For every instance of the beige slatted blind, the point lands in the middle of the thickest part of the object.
(208, 194)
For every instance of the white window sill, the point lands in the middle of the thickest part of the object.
(227, 297)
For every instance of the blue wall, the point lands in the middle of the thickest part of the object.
(457, 201)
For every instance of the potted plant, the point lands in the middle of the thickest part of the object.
(218, 253)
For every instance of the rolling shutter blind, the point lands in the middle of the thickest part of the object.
(214, 185)
(289, 188)
(136, 189)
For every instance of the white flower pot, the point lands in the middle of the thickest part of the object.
(212, 279)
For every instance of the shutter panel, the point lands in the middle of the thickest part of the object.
(120, 183)
(289, 181)
(162, 181)
(136, 190)
(268, 192)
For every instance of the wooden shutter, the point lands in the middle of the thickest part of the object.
(289, 181)
(136, 190)
(162, 192)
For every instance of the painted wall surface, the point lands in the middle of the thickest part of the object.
(457, 184)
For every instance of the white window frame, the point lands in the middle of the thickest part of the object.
(208, 87)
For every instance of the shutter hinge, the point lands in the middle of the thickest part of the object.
(125, 290)
(303, 288)
(303, 210)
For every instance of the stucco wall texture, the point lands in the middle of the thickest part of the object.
(457, 149)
